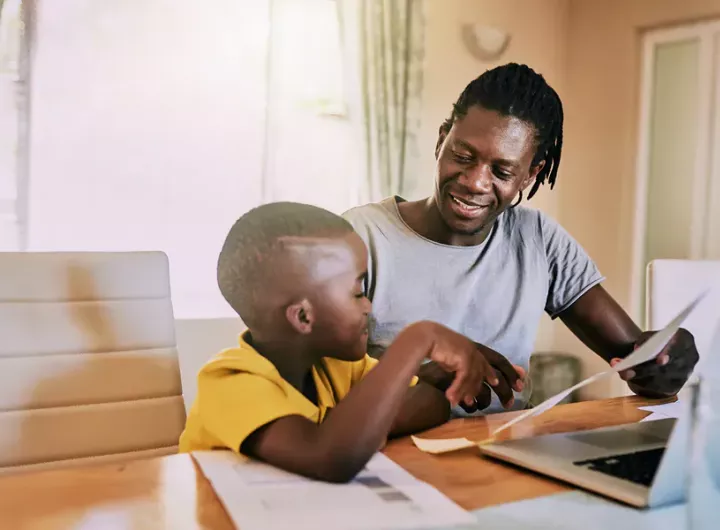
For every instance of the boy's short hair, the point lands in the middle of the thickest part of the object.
(252, 254)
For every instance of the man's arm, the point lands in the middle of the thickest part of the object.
(339, 448)
(599, 322)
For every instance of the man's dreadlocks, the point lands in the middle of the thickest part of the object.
(517, 90)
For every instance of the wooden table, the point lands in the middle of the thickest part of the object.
(171, 492)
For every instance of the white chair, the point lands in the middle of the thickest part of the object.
(672, 285)
(198, 339)
(88, 363)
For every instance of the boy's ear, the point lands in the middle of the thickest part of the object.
(301, 316)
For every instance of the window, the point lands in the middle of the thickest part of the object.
(10, 86)
(307, 56)
(150, 128)
(146, 130)
(312, 155)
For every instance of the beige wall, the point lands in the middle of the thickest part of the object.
(596, 192)
(589, 51)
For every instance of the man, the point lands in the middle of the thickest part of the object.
(470, 258)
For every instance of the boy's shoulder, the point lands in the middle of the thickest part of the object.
(247, 360)
(242, 358)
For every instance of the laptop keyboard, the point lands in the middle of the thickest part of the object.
(639, 467)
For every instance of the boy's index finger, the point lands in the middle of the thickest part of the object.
(453, 391)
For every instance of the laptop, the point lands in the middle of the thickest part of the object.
(641, 464)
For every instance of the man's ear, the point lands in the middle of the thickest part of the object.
(532, 175)
(301, 316)
(442, 134)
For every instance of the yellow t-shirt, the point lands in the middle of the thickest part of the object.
(239, 391)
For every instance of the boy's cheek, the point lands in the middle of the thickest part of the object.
(383, 443)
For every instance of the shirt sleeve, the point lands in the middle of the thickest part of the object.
(571, 272)
(232, 407)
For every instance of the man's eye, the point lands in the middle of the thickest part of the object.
(462, 159)
(502, 173)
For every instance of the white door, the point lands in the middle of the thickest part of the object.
(678, 192)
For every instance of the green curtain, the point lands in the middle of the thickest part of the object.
(388, 38)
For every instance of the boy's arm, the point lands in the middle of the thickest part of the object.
(339, 448)
(424, 407)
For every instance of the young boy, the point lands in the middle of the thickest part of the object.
(300, 392)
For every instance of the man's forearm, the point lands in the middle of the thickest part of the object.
(602, 325)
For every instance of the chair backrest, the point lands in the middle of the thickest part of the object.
(88, 361)
(672, 285)
(198, 339)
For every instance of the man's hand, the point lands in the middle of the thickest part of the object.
(499, 374)
(458, 355)
(667, 373)
(510, 377)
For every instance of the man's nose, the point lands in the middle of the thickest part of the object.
(477, 179)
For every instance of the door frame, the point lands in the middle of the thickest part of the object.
(706, 32)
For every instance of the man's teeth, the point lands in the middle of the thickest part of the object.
(466, 205)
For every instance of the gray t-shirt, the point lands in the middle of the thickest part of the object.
(493, 293)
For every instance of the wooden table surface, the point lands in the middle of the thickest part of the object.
(171, 492)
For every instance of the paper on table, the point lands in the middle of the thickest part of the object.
(649, 350)
(383, 495)
(437, 447)
(655, 416)
(668, 410)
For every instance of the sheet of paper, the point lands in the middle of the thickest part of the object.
(446, 445)
(668, 410)
(644, 353)
(383, 495)
(654, 417)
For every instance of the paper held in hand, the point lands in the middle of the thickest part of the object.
(649, 350)
(644, 353)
